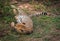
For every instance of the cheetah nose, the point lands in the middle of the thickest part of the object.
(29, 32)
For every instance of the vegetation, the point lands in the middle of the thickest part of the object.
(6, 11)
(46, 28)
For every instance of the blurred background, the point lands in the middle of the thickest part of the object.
(46, 27)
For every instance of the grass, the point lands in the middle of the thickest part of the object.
(45, 28)
(40, 7)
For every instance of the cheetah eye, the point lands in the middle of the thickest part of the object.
(21, 30)
(24, 23)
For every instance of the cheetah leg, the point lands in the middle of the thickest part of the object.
(16, 17)
(12, 24)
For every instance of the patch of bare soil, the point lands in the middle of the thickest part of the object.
(31, 39)
(55, 37)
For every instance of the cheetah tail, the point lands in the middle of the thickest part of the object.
(36, 14)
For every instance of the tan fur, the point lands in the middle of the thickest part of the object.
(23, 27)
(24, 23)
(20, 27)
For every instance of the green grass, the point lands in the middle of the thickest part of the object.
(45, 27)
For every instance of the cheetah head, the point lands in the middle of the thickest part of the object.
(21, 28)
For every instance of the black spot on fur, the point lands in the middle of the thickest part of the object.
(44, 13)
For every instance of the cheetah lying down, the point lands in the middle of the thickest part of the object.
(24, 23)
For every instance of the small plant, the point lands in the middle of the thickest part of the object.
(47, 3)
(40, 7)
(37, 7)
(6, 11)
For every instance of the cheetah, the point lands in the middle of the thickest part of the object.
(24, 23)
